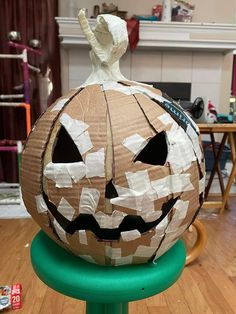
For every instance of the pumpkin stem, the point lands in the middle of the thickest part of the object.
(108, 41)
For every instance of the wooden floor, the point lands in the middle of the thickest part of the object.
(206, 286)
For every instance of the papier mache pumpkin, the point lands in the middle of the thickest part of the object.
(113, 171)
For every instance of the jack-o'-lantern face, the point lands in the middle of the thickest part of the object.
(114, 173)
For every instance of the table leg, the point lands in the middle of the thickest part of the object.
(107, 308)
(227, 190)
(216, 165)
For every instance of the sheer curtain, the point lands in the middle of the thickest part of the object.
(33, 19)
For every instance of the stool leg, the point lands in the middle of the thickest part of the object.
(116, 308)
(95, 308)
(108, 308)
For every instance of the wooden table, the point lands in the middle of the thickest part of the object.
(228, 131)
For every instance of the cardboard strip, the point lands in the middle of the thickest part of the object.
(66, 209)
(176, 183)
(130, 235)
(109, 221)
(60, 104)
(41, 205)
(95, 164)
(135, 143)
(89, 199)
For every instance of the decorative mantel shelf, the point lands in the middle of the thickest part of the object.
(160, 35)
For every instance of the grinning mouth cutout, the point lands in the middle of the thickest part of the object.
(88, 222)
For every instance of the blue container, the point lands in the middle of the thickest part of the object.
(209, 156)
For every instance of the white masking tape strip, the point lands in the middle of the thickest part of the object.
(66, 209)
(95, 164)
(181, 153)
(181, 208)
(109, 221)
(138, 181)
(162, 250)
(128, 198)
(111, 85)
(134, 89)
(82, 237)
(135, 143)
(202, 185)
(124, 260)
(60, 232)
(171, 235)
(144, 251)
(40, 204)
(77, 170)
(113, 253)
(151, 216)
(156, 240)
(83, 143)
(89, 199)
(88, 258)
(60, 104)
(130, 235)
(73, 126)
(116, 29)
(161, 227)
(175, 183)
(77, 130)
(166, 118)
(63, 173)
(195, 142)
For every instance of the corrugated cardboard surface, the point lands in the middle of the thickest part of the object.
(112, 117)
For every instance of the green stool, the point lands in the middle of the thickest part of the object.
(106, 289)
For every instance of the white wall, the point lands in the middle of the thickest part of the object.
(206, 11)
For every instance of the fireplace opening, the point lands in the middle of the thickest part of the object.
(175, 90)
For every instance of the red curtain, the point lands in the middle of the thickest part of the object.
(33, 19)
(233, 92)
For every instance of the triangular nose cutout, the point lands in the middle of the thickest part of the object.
(110, 190)
(155, 152)
(65, 150)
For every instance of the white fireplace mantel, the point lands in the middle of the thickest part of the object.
(196, 53)
(160, 35)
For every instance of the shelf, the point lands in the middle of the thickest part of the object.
(160, 35)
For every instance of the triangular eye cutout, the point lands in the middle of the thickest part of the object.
(110, 190)
(155, 152)
(65, 150)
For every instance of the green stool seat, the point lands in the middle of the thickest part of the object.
(106, 289)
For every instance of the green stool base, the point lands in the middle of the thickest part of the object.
(106, 308)
(107, 289)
